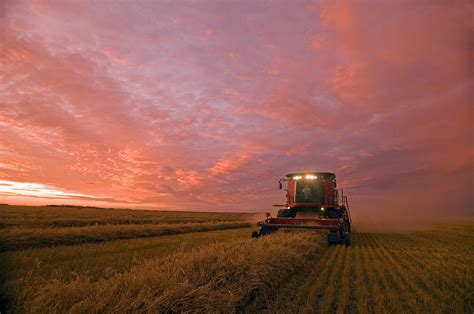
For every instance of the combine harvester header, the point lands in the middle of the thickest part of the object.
(312, 202)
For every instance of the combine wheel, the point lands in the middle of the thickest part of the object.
(346, 234)
(347, 239)
(334, 237)
(263, 232)
(266, 231)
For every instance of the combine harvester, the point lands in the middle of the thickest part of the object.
(312, 202)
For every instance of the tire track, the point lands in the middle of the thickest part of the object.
(375, 299)
(389, 299)
(286, 295)
(310, 287)
(316, 291)
(361, 280)
(335, 280)
(346, 297)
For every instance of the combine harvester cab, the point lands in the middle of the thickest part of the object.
(312, 202)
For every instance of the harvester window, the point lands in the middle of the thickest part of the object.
(307, 195)
(308, 191)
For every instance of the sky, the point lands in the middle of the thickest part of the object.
(204, 105)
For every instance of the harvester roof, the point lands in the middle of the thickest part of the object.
(322, 175)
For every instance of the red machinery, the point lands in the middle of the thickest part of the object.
(312, 202)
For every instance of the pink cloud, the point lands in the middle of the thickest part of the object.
(113, 56)
(229, 164)
(219, 98)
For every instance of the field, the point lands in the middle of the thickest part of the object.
(58, 259)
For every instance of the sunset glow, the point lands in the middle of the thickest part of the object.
(9, 188)
(204, 105)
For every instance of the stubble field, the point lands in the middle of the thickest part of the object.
(66, 259)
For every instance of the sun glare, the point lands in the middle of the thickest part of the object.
(35, 190)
